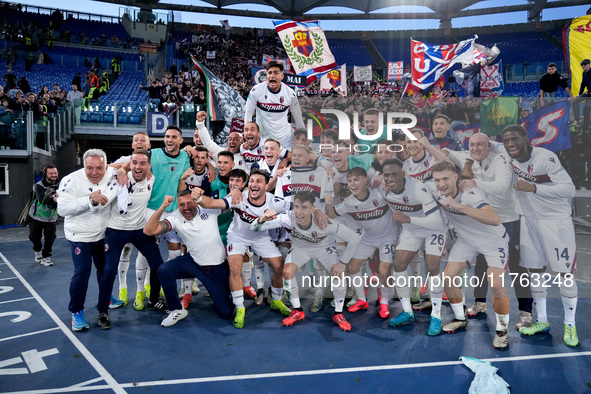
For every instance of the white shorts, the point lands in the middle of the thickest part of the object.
(327, 256)
(548, 241)
(264, 247)
(386, 249)
(495, 252)
(434, 242)
(170, 236)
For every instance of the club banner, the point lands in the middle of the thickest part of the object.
(362, 73)
(223, 102)
(548, 126)
(226, 25)
(429, 62)
(577, 37)
(412, 94)
(335, 79)
(307, 48)
(294, 80)
(259, 74)
(497, 113)
(266, 59)
(395, 71)
(464, 132)
(491, 79)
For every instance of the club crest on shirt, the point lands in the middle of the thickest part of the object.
(405, 199)
(530, 168)
(77, 251)
(204, 216)
(376, 203)
(426, 163)
(171, 168)
(311, 178)
(106, 247)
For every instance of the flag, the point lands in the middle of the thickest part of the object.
(497, 113)
(548, 126)
(577, 37)
(429, 62)
(483, 55)
(436, 91)
(464, 132)
(307, 48)
(259, 74)
(266, 59)
(491, 79)
(413, 95)
(225, 25)
(335, 79)
(222, 102)
(395, 71)
(469, 79)
(362, 73)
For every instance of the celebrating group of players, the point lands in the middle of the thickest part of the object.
(274, 200)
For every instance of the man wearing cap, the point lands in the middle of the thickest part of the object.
(583, 96)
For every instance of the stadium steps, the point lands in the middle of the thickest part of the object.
(375, 54)
(553, 39)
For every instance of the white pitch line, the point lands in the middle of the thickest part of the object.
(345, 370)
(13, 277)
(113, 384)
(83, 384)
(28, 334)
(77, 388)
(19, 299)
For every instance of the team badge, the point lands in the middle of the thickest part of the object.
(281, 100)
(405, 199)
(314, 234)
(302, 43)
(171, 168)
(230, 247)
(90, 189)
(334, 78)
(311, 178)
(149, 187)
(530, 168)
(426, 162)
(106, 247)
(486, 168)
(204, 216)
(77, 251)
(376, 203)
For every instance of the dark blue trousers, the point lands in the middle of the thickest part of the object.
(215, 278)
(83, 255)
(115, 240)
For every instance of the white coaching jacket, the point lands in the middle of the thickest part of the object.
(83, 221)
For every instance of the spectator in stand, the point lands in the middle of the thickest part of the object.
(44, 90)
(549, 84)
(77, 80)
(75, 97)
(10, 80)
(23, 85)
(154, 91)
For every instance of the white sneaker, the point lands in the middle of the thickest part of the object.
(38, 257)
(46, 261)
(173, 317)
(195, 288)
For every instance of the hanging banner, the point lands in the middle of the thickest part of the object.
(395, 71)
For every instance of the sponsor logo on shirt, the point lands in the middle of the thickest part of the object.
(370, 215)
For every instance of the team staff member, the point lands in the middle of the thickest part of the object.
(83, 199)
(43, 215)
(126, 225)
(205, 258)
(271, 100)
(544, 190)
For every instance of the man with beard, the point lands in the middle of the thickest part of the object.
(43, 215)
(205, 258)
(252, 148)
(255, 201)
(126, 225)
(271, 100)
(439, 138)
(543, 192)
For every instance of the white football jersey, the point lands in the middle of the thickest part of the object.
(421, 169)
(138, 195)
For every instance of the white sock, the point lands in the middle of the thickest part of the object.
(319, 279)
(356, 280)
(339, 298)
(147, 277)
(173, 254)
(246, 273)
(415, 266)
(276, 293)
(141, 268)
(259, 271)
(436, 293)
(188, 285)
(539, 294)
(569, 301)
(458, 310)
(238, 299)
(386, 294)
(295, 293)
(502, 322)
(124, 266)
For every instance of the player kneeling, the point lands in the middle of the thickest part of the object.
(309, 241)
